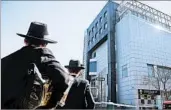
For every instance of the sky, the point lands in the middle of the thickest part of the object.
(66, 20)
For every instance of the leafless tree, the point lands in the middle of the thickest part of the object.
(161, 80)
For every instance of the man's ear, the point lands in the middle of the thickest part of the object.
(44, 45)
(25, 42)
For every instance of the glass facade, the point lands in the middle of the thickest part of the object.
(93, 66)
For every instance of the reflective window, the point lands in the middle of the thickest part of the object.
(105, 26)
(97, 25)
(92, 39)
(94, 55)
(149, 102)
(88, 42)
(105, 14)
(100, 30)
(164, 70)
(124, 71)
(101, 19)
(142, 101)
(93, 66)
(89, 33)
(93, 29)
(150, 70)
(96, 35)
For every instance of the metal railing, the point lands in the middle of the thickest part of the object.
(99, 81)
(111, 105)
(145, 12)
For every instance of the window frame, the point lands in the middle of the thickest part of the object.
(101, 19)
(148, 67)
(96, 34)
(100, 31)
(93, 29)
(124, 68)
(89, 33)
(97, 24)
(105, 25)
(105, 14)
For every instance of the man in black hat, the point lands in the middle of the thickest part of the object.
(79, 96)
(14, 66)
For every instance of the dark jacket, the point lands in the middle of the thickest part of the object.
(80, 96)
(13, 74)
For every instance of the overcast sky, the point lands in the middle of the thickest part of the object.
(67, 21)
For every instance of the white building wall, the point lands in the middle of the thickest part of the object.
(139, 43)
(102, 68)
(85, 54)
(101, 57)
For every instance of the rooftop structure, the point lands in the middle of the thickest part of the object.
(144, 11)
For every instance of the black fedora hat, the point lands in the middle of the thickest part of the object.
(38, 31)
(75, 64)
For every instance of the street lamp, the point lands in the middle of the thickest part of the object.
(101, 79)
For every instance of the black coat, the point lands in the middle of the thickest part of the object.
(80, 96)
(13, 73)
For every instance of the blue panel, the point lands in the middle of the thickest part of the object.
(93, 66)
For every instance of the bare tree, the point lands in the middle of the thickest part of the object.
(161, 80)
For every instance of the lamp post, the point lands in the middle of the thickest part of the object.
(101, 90)
(101, 79)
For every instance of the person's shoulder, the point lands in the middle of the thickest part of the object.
(12, 55)
(84, 81)
(43, 50)
(46, 55)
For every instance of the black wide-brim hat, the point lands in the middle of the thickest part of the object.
(74, 64)
(38, 31)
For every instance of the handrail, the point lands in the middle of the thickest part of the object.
(115, 104)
